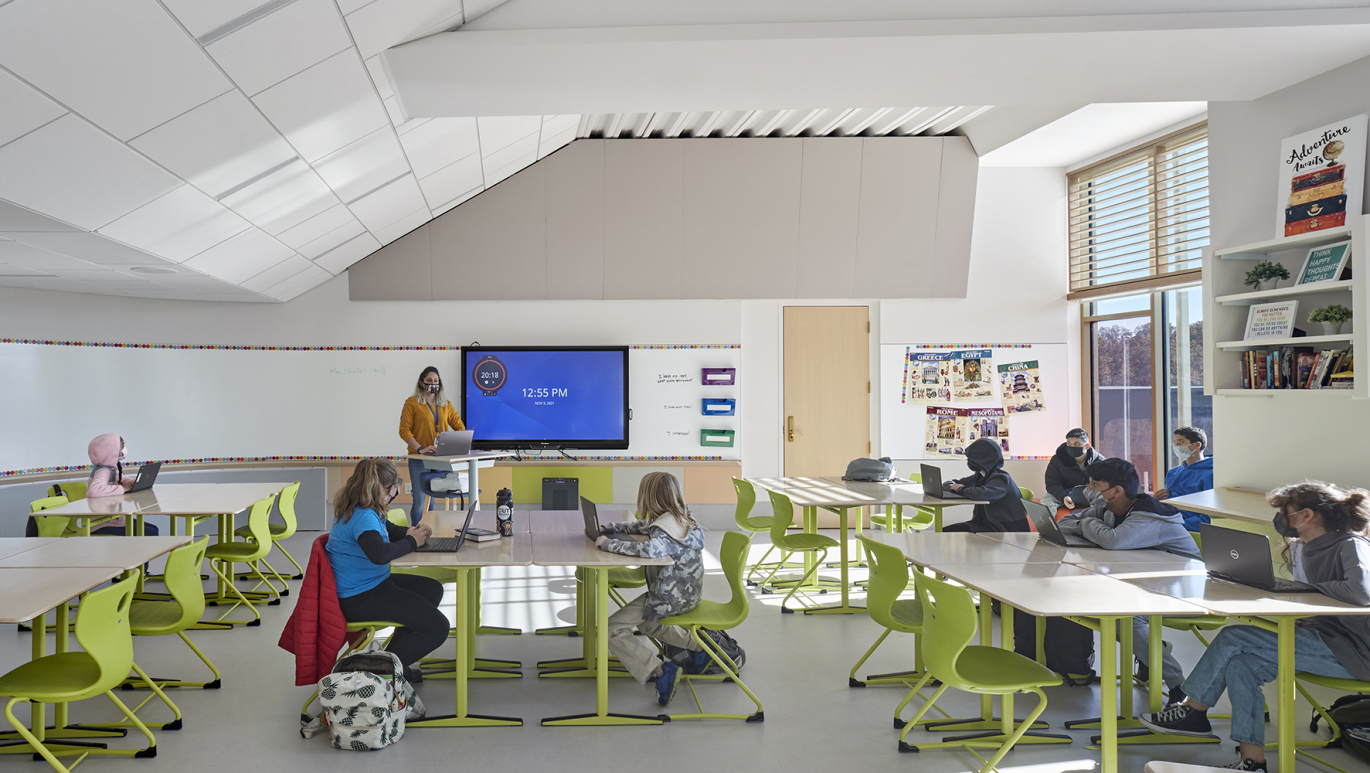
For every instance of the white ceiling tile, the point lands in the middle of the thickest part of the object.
(339, 258)
(92, 248)
(308, 279)
(325, 107)
(280, 44)
(245, 255)
(276, 274)
(194, 282)
(528, 146)
(555, 142)
(6, 270)
(28, 256)
(452, 181)
(201, 16)
(476, 8)
(340, 235)
(178, 226)
(403, 226)
(364, 165)
(438, 142)
(458, 201)
(494, 176)
(316, 226)
(348, 6)
(284, 199)
(412, 123)
(218, 145)
(499, 132)
(70, 170)
(389, 204)
(16, 218)
(379, 77)
(25, 109)
(124, 64)
(384, 23)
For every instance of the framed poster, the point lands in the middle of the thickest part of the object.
(1271, 320)
(1322, 174)
(1324, 264)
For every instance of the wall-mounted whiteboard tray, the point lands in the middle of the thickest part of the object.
(716, 438)
(1247, 299)
(718, 376)
(718, 406)
(1266, 343)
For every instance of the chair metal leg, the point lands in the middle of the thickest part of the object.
(242, 600)
(730, 670)
(156, 687)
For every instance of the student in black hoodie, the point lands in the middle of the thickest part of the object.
(1005, 511)
(1066, 472)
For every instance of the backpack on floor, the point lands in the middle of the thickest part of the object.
(721, 639)
(1352, 715)
(366, 700)
(1069, 646)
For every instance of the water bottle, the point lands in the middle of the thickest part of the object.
(504, 512)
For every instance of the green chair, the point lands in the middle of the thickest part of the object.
(1342, 685)
(102, 629)
(1026, 493)
(713, 616)
(285, 505)
(174, 616)
(949, 625)
(51, 525)
(894, 520)
(368, 630)
(746, 500)
(224, 555)
(71, 489)
(783, 515)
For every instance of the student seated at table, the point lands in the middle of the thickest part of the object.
(1194, 473)
(1121, 517)
(1067, 471)
(361, 545)
(106, 453)
(1328, 548)
(989, 481)
(671, 590)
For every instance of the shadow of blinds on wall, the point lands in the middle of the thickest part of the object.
(1139, 220)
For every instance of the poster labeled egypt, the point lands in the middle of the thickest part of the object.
(1020, 384)
(972, 374)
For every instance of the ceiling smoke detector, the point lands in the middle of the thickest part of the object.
(152, 270)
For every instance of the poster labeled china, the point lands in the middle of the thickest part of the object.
(1321, 177)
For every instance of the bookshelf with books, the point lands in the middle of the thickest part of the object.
(1306, 361)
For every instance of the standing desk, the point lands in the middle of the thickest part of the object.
(1230, 502)
(573, 549)
(474, 461)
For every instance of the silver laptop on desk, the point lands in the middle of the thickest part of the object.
(932, 483)
(455, 443)
(1044, 519)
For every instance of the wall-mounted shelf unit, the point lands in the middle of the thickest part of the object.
(1227, 302)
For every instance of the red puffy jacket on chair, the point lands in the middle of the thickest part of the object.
(317, 630)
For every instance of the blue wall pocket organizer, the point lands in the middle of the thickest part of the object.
(718, 376)
(719, 406)
(716, 438)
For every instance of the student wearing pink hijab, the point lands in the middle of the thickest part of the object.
(107, 478)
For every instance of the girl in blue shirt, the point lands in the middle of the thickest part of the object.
(361, 545)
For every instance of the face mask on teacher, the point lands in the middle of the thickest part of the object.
(1076, 451)
(433, 388)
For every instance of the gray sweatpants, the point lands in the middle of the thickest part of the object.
(635, 654)
(1171, 673)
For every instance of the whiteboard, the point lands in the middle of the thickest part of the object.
(666, 397)
(1032, 435)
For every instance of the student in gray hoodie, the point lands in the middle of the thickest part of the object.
(1120, 517)
(1329, 550)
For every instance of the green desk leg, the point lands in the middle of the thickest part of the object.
(567, 630)
(1154, 703)
(845, 607)
(490, 628)
(1108, 694)
(937, 519)
(1284, 688)
(601, 624)
(483, 668)
(585, 666)
(464, 639)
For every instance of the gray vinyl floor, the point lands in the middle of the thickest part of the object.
(797, 665)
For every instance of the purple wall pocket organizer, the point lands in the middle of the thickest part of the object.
(718, 377)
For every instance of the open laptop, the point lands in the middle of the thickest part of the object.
(450, 544)
(1244, 558)
(1044, 519)
(591, 515)
(454, 443)
(932, 483)
(147, 475)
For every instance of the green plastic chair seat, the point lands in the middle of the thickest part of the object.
(808, 542)
(442, 574)
(155, 618)
(619, 576)
(760, 523)
(277, 529)
(998, 671)
(71, 676)
(1347, 685)
(370, 624)
(709, 615)
(908, 613)
(234, 551)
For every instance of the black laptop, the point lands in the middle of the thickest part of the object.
(450, 544)
(1244, 558)
(932, 483)
(591, 516)
(147, 475)
(1044, 518)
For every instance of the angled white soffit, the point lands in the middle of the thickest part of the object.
(1154, 57)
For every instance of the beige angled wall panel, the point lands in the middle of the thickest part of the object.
(829, 208)
(898, 222)
(575, 221)
(400, 271)
(494, 247)
(642, 218)
(955, 215)
(740, 218)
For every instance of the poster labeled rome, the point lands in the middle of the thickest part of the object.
(930, 374)
(989, 423)
(1020, 384)
(972, 376)
(946, 432)
(1322, 175)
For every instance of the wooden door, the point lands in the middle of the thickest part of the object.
(827, 390)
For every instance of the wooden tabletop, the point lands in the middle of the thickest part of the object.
(210, 498)
(1082, 555)
(30, 592)
(121, 553)
(447, 523)
(99, 507)
(926, 548)
(1059, 590)
(516, 550)
(564, 548)
(1238, 503)
(835, 492)
(11, 546)
(903, 493)
(1221, 597)
(570, 520)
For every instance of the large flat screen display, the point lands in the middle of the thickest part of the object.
(520, 397)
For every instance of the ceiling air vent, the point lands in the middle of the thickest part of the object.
(152, 270)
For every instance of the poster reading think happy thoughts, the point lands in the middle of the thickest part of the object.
(946, 432)
(1322, 175)
(972, 376)
(929, 375)
(1020, 385)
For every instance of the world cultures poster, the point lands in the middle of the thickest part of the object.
(1020, 385)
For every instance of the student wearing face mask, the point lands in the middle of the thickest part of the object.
(107, 453)
(1329, 549)
(361, 545)
(1194, 472)
(424, 416)
(1067, 471)
(990, 482)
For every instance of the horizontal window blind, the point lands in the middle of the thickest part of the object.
(1139, 221)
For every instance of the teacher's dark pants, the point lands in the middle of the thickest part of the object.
(409, 601)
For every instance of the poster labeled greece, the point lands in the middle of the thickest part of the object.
(930, 377)
(1271, 320)
(1321, 177)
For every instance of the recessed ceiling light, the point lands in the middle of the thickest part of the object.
(152, 270)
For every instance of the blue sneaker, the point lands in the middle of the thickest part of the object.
(699, 662)
(665, 684)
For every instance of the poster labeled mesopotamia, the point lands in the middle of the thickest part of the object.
(946, 432)
(930, 377)
(1020, 385)
(1321, 177)
(972, 376)
(990, 423)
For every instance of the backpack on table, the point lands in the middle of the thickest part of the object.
(367, 699)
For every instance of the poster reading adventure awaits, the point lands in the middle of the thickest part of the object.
(1321, 174)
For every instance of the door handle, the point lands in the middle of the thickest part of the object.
(789, 429)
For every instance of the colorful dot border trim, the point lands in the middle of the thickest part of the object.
(970, 346)
(653, 347)
(229, 347)
(323, 459)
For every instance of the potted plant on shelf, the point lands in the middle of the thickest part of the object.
(1265, 275)
(1331, 317)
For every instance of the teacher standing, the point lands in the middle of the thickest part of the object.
(424, 416)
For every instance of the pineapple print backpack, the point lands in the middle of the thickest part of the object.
(366, 700)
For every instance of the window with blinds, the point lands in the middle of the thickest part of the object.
(1139, 221)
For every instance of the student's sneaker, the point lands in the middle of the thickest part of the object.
(413, 674)
(1246, 765)
(1179, 719)
(666, 683)
(699, 662)
(1176, 695)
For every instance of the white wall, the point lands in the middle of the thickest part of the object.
(1269, 442)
